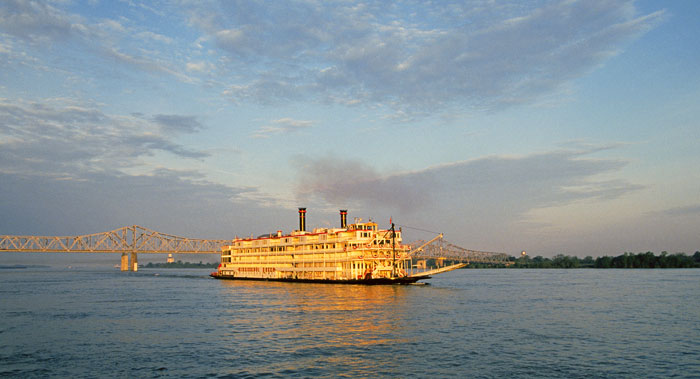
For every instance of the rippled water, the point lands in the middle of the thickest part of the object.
(97, 321)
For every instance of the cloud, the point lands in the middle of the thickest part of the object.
(149, 142)
(45, 24)
(202, 67)
(493, 56)
(688, 210)
(174, 202)
(141, 62)
(282, 126)
(155, 37)
(415, 59)
(354, 184)
(178, 124)
(59, 137)
(65, 171)
(520, 183)
(36, 21)
(482, 198)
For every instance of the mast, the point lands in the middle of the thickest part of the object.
(393, 251)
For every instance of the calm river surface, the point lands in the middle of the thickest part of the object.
(100, 322)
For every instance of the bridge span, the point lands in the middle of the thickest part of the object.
(441, 250)
(128, 240)
(133, 240)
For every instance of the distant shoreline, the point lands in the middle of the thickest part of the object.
(646, 260)
(21, 267)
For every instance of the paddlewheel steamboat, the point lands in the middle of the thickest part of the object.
(360, 253)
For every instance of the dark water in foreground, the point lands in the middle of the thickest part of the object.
(97, 322)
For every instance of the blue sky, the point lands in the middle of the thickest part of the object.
(547, 126)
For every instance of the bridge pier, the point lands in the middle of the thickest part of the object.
(134, 262)
(129, 264)
(125, 262)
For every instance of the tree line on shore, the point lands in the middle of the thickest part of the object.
(626, 260)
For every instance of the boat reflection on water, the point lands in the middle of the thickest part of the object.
(301, 318)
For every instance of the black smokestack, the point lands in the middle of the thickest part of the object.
(344, 218)
(302, 219)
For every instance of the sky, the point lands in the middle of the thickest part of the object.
(554, 127)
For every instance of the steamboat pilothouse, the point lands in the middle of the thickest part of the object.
(355, 253)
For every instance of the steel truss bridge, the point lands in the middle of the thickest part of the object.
(441, 250)
(133, 240)
(128, 240)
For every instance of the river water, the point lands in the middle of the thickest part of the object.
(100, 322)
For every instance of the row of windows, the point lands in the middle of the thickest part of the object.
(321, 246)
(312, 238)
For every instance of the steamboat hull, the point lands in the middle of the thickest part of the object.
(373, 281)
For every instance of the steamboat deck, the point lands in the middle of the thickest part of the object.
(358, 253)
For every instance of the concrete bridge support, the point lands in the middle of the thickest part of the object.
(134, 262)
(125, 262)
(129, 264)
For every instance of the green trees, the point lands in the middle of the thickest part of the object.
(603, 262)
(558, 261)
(626, 260)
(649, 260)
(565, 261)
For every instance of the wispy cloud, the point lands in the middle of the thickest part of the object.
(42, 23)
(688, 210)
(65, 170)
(60, 136)
(155, 37)
(37, 21)
(199, 66)
(372, 53)
(282, 126)
(178, 123)
(346, 53)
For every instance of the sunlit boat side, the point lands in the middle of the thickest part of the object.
(359, 253)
